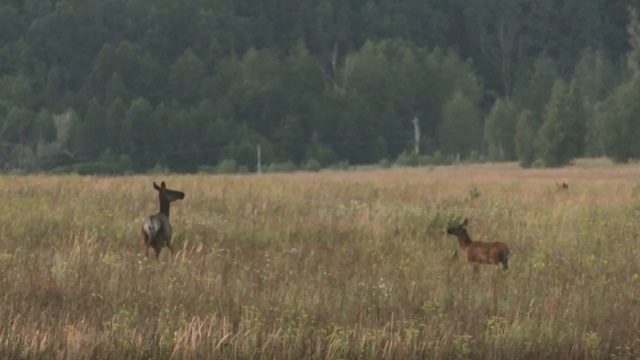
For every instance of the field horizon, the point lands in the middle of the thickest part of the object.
(328, 265)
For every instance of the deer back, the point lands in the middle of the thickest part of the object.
(487, 253)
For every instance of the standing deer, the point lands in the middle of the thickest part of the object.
(156, 229)
(478, 252)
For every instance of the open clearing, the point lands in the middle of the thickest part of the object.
(324, 266)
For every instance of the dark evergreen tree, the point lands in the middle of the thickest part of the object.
(93, 131)
(140, 135)
(562, 134)
(115, 116)
(460, 133)
(533, 89)
(622, 128)
(186, 76)
(500, 130)
(525, 137)
(45, 127)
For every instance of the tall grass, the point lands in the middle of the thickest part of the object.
(323, 266)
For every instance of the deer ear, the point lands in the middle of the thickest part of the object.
(162, 185)
(155, 186)
(465, 222)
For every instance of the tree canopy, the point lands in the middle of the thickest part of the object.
(190, 84)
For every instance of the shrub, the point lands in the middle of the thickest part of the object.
(90, 168)
(227, 166)
(312, 165)
(341, 165)
(408, 159)
(288, 166)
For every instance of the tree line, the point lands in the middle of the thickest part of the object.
(134, 85)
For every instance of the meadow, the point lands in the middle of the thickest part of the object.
(329, 265)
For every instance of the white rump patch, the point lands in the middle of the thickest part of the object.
(152, 226)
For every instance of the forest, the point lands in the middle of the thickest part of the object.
(131, 86)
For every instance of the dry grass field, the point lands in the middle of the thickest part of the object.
(330, 265)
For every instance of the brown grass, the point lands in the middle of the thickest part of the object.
(323, 266)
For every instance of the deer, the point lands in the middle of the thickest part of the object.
(156, 229)
(478, 252)
(562, 186)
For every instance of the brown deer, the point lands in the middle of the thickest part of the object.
(478, 252)
(156, 229)
(563, 186)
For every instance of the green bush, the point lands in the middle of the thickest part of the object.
(312, 165)
(341, 165)
(438, 158)
(408, 159)
(288, 166)
(91, 168)
(227, 166)
(159, 169)
(206, 169)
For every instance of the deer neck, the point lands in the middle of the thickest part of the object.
(164, 206)
(464, 240)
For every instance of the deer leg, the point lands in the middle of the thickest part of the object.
(145, 243)
(476, 270)
(168, 244)
(454, 257)
(171, 248)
